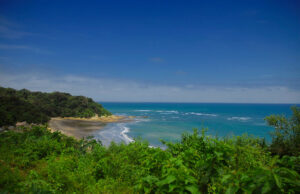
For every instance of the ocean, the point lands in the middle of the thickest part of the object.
(167, 121)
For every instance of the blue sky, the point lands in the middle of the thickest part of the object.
(169, 51)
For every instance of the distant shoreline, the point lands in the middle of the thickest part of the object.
(83, 127)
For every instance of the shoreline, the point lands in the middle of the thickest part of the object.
(83, 127)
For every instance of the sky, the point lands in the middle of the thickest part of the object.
(154, 51)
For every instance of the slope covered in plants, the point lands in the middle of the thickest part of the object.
(38, 161)
(38, 107)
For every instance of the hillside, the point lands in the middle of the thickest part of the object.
(38, 161)
(39, 107)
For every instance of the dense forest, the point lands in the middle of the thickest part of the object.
(39, 107)
(38, 161)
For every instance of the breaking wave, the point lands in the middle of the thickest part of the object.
(167, 111)
(239, 118)
(201, 114)
(142, 110)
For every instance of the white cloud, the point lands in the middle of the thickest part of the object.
(123, 90)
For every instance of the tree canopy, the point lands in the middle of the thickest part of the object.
(39, 107)
(286, 137)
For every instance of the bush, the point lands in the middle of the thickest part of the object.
(38, 161)
(286, 137)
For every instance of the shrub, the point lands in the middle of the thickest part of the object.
(38, 161)
(286, 137)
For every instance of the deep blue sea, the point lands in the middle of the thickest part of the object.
(167, 121)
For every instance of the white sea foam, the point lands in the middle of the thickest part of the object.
(239, 118)
(142, 110)
(202, 114)
(125, 136)
(117, 132)
(168, 111)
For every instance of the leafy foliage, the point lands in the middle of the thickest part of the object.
(38, 107)
(38, 161)
(286, 137)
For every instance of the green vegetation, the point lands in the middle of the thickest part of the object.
(38, 107)
(38, 161)
(286, 137)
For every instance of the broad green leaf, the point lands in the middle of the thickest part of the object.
(193, 189)
(167, 180)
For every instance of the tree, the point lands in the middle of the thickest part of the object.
(286, 137)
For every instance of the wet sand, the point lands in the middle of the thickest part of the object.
(83, 127)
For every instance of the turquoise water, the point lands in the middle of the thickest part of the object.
(168, 121)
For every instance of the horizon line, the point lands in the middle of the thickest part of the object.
(198, 102)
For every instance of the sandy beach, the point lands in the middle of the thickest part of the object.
(83, 127)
